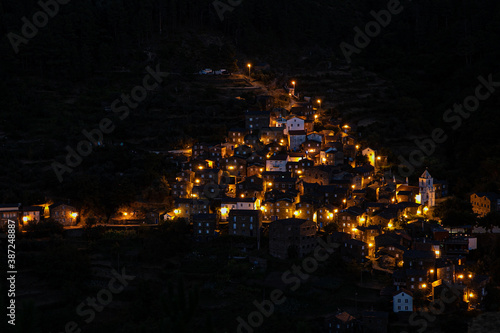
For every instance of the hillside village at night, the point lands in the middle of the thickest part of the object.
(294, 181)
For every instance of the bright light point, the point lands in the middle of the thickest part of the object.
(296, 213)
(74, 215)
(378, 158)
(471, 295)
(177, 211)
(424, 285)
(460, 276)
(437, 252)
(25, 219)
(262, 208)
(431, 271)
(470, 276)
(223, 211)
(370, 245)
(242, 195)
(197, 181)
(389, 225)
(200, 167)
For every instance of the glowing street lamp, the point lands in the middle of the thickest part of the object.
(74, 215)
(249, 66)
(319, 102)
(25, 219)
(424, 285)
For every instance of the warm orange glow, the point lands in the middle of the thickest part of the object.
(426, 209)
(370, 245)
(299, 171)
(125, 214)
(25, 219)
(249, 65)
(424, 285)
(335, 210)
(353, 186)
(231, 167)
(223, 211)
(431, 271)
(378, 158)
(177, 211)
(200, 167)
(197, 181)
(419, 212)
(471, 295)
(470, 276)
(460, 276)
(74, 215)
(269, 184)
(389, 225)
(242, 195)
(357, 146)
(293, 82)
(330, 215)
(262, 208)
(437, 253)
(296, 213)
(344, 200)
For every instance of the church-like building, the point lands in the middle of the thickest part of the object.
(426, 189)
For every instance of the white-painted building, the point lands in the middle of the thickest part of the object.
(277, 163)
(371, 154)
(295, 124)
(402, 301)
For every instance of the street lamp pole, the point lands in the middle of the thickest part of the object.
(249, 66)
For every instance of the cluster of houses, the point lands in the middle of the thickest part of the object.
(280, 177)
(62, 213)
